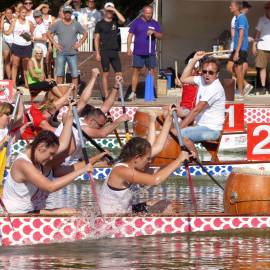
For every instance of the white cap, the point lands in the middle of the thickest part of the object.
(196, 65)
(109, 4)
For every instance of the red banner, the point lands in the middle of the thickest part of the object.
(258, 141)
(8, 89)
(235, 121)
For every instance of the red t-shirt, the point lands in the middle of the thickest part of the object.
(189, 96)
(37, 118)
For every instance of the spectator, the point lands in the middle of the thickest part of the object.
(261, 49)
(67, 47)
(106, 35)
(30, 12)
(79, 14)
(7, 40)
(102, 11)
(21, 49)
(142, 28)
(131, 17)
(48, 20)
(39, 36)
(239, 54)
(93, 17)
(36, 76)
(16, 8)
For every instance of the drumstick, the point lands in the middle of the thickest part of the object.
(176, 70)
(225, 51)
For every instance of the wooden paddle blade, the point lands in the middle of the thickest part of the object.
(192, 191)
(93, 186)
(3, 160)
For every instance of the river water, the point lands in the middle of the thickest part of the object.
(233, 249)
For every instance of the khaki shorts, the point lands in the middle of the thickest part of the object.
(262, 59)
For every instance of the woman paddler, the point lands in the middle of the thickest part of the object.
(132, 170)
(30, 179)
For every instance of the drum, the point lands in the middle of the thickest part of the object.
(170, 152)
(247, 191)
(141, 121)
(62, 88)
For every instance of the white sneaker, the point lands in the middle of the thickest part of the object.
(238, 97)
(132, 96)
(247, 89)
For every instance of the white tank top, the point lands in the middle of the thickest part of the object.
(22, 197)
(48, 23)
(116, 201)
(3, 133)
(78, 151)
(20, 29)
(8, 38)
(31, 18)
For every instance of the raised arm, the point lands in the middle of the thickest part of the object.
(151, 137)
(87, 92)
(19, 119)
(10, 29)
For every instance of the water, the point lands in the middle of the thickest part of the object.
(234, 249)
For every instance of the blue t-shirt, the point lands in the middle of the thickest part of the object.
(241, 23)
(141, 43)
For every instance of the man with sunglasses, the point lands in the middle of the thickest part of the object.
(261, 49)
(67, 46)
(209, 112)
(92, 120)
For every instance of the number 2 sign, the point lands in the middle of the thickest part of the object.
(258, 141)
(236, 117)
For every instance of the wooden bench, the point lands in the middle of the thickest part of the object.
(251, 76)
(213, 146)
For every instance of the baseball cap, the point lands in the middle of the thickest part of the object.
(245, 4)
(267, 5)
(37, 13)
(109, 4)
(196, 65)
(67, 8)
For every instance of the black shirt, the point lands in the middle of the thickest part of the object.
(108, 34)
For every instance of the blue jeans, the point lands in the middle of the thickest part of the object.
(72, 63)
(200, 133)
(141, 60)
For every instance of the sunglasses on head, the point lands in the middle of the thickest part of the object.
(7, 113)
(28, 3)
(210, 72)
(52, 115)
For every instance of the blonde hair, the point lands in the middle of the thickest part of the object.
(46, 104)
(33, 58)
(5, 107)
(21, 8)
(237, 4)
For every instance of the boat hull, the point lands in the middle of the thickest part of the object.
(49, 229)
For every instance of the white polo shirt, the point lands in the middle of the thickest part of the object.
(213, 115)
(263, 26)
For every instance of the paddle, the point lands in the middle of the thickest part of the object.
(183, 148)
(109, 114)
(149, 84)
(26, 114)
(124, 110)
(94, 143)
(3, 157)
(86, 157)
(195, 159)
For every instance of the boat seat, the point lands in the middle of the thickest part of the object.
(213, 146)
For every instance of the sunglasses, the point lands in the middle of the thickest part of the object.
(67, 12)
(52, 115)
(99, 125)
(38, 53)
(267, 7)
(7, 113)
(210, 72)
(28, 3)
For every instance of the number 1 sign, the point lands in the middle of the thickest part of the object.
(258, 141)
(236, 117)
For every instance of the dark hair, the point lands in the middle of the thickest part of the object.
(135, 146)
(86, 110)
(45, 136)
(212, 60)
(96, 113)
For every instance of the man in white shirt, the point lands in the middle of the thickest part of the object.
(261, 49)
(209, 112)
(93, 15)
(78, 13)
